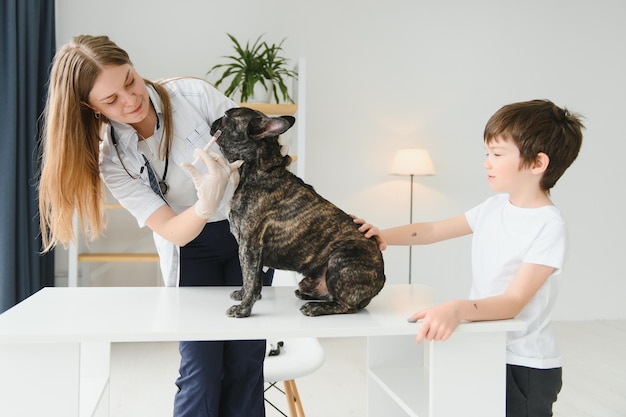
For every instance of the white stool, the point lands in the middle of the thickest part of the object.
(298, 357)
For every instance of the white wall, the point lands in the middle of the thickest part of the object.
(384, 75)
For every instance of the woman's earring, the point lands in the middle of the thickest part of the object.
(97, 115)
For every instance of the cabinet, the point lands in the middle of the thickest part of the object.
(464, 376)
(132, 248)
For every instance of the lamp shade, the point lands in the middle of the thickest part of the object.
(414, 161)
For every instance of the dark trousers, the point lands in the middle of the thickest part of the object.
(531, 392)
(218, 378)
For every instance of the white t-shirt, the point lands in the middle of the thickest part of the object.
(504, 238)
(195, 106)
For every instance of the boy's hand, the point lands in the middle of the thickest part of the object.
(438, 322)
(369, 231)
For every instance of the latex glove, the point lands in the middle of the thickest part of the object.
(210, 187)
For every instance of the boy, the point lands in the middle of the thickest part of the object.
(518, 247)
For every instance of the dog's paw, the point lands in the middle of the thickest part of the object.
(237, 295)
(303, 296)
(310, 309)
(239, 311)
(321, 308)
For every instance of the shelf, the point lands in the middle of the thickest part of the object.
(118, 257)
(271, 108)
(93, 263)
(407, 387)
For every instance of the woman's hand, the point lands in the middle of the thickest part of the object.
(210, 187)
(369, 231)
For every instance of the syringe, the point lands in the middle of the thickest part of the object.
(208, 145)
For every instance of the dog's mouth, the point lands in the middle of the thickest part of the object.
(217, 127)
(214, 138)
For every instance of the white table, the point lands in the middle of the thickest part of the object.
(55, 346)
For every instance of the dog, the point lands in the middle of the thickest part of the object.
(281, 222)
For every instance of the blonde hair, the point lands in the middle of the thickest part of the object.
(70, 174)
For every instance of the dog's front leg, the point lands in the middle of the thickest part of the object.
(252, 283)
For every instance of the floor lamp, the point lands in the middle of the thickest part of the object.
(412, 162)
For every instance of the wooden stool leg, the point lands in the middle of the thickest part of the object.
(296, 394)
(293, 399)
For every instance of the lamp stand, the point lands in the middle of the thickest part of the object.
(411, 221)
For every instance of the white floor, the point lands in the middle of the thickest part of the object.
(594, 376)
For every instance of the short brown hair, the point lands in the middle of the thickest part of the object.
(539, 126)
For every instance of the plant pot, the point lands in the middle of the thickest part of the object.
(260, 94)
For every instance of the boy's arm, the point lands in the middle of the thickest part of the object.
(425, 233)
(440, 321)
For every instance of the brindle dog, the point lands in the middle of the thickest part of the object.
(281, 222)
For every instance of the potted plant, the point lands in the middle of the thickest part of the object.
(250, 66)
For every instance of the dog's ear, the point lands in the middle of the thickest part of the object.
(262, 127)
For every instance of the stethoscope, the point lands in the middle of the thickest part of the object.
(163, 187)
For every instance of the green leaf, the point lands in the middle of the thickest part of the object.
(252, 64)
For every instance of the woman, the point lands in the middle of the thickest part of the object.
(104, 123)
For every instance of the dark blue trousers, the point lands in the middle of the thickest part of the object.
(218, 378)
